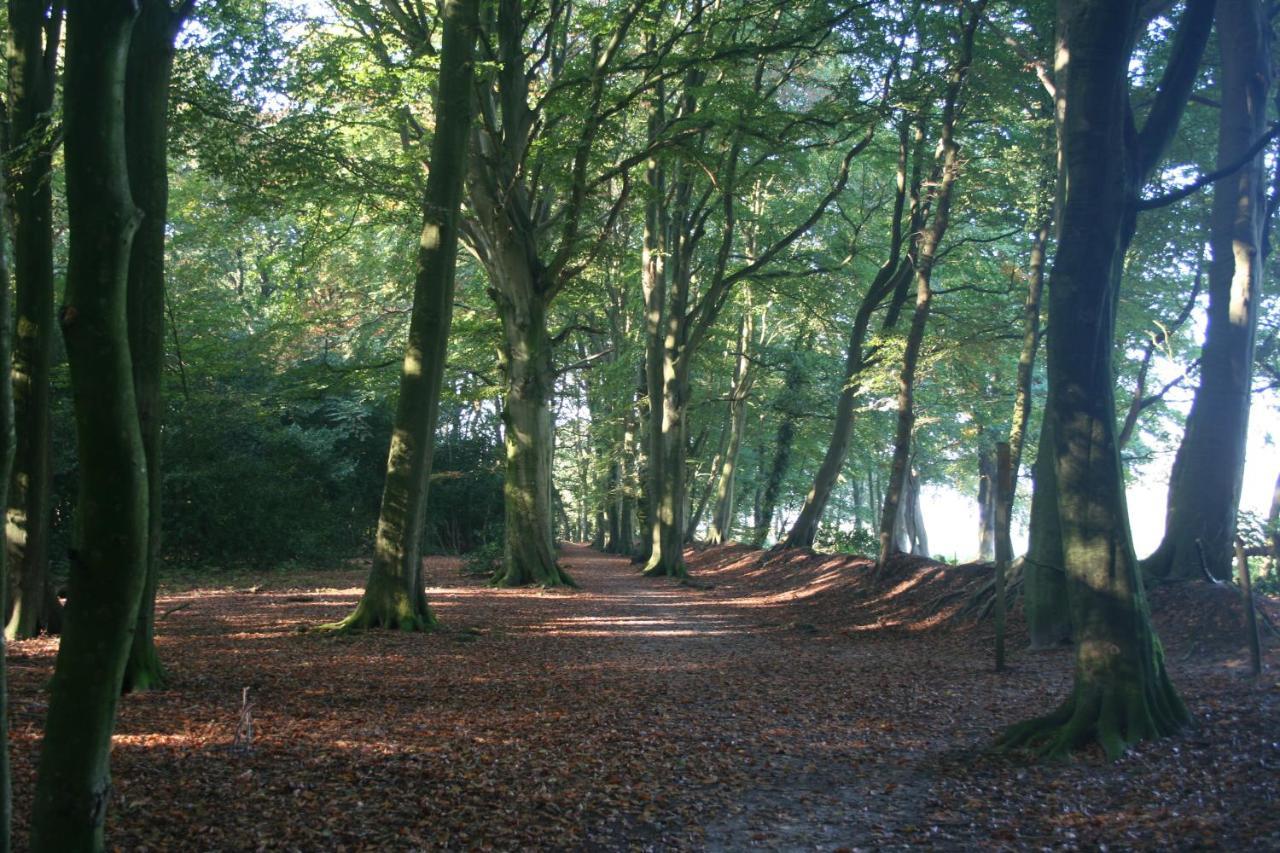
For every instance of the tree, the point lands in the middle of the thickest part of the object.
(946, 172)
(109, 564)
(150, 66)
(393, 595)
(7, 443)
(1122, 693)
(1204, 490)
(35, 29)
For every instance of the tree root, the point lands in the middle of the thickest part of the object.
(368, 618)
(1114, 717)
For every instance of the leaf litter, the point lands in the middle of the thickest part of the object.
(785, 701)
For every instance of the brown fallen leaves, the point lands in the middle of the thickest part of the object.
(793, 704)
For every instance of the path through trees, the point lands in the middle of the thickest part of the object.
(783, 705)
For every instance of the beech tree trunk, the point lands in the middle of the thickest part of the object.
(147, 142)
(1204, 491)
(892, 273)
(946, 173)
(7, 445)
(1122, 692)
(34, 35)
(722, 518)
(1044, 586)
(393, 595)
(108, 567)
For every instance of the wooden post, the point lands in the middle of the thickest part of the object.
(1250, 618)
(1004, 485)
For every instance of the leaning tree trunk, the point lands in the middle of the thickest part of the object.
(1209, 469)
(393, 595)
(1026, 369)
(108, 567)
(1122, 692)
(948, 172)
(147, 143)
(33, 47)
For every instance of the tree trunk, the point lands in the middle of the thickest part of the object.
(529, 555)
(34, 31)
(948, 170)
(393, 595)
(1026, 367)
(888, 278)
(986, 504)
(7, 446)
(1122, 692)
(782, 444)
(722, 518)
(1044, 586)
(147, 143)
(108, 567)
(1204, 491)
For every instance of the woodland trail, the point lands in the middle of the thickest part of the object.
(633, 713)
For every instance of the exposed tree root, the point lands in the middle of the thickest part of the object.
(1114, 717)
(397, 616)
(556, 577)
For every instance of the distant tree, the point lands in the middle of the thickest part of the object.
(35, 31)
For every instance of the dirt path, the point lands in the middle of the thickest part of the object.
(632, 713)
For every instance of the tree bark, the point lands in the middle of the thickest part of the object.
(948, 171)
(1204, 491)
(393, 595)
(1044, 589)
(1122, 692)
(108, 568)
(7, 446)
(722, 519)
(34, 35)
(150, 66)
(1026, 365)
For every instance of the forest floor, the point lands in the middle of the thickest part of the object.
(778, 702)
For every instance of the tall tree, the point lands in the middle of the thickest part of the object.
(1204, 490)
(147, 143)
(35, 30)
(1122, 692)
(394, 595)
(7, 443)
(108, 567)
(511, 211)
(946, 172)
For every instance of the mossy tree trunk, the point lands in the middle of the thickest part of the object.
(393, 595)
(1204, 490)
(108, 568)
(1044, 590)
(1122, 693)
(34, 36)
(147, 143)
